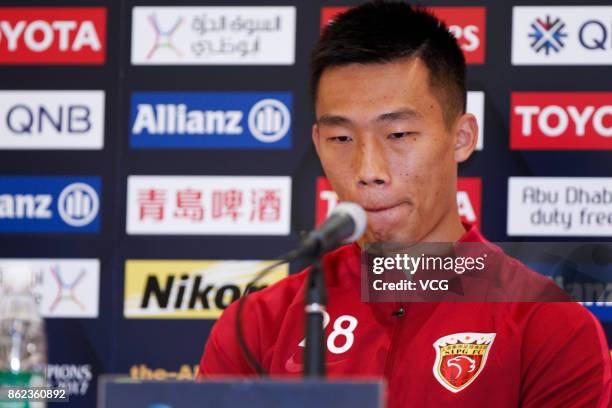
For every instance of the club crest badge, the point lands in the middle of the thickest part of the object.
(460, 357)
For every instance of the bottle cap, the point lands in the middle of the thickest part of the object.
(16, 277)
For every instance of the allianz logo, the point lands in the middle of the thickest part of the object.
(77, 205)
(268, 120)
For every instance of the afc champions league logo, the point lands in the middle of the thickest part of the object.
(65, 288)
(78, 204)
(460, 358)
(163, 36)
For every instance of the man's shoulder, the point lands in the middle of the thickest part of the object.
(514, 281)
(539, 286)
(284, 292)
(288, 286)
(554, 316)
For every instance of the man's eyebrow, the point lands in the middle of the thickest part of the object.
(338, 120)
(399, 115)
(333, 120)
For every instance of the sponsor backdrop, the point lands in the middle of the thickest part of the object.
(154, 155)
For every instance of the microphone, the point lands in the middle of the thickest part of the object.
(345, 225)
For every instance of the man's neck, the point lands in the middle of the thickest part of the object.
(449, 229)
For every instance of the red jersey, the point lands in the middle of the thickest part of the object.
(433, 354)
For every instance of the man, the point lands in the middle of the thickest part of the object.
(389, 90)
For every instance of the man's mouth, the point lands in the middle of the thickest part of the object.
(382, 208)
(386, 213)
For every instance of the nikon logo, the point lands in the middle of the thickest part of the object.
(190, 289)
(190, 292)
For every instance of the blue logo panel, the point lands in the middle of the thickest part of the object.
(211, 120)
(50, 204)
(602, 312)
(589, 282)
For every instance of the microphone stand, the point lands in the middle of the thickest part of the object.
(346, 224)
(315, 303)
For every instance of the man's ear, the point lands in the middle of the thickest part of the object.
(315, 137)
(466, 137)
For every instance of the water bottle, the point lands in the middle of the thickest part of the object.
(23, 343)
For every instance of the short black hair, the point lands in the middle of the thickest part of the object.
(387, 31)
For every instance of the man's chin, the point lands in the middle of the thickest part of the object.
(387, 236)
(383, 224)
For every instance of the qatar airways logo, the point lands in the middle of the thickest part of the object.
(561, 121)
(52, 35)
(548, 35)
(469, 192)
(467, 24)
(561, 35)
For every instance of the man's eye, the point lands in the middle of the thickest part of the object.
(400, 135)
(340, 139)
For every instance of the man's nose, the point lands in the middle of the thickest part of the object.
(371, 164)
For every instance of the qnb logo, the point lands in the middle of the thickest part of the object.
(78, 204)
(163, 38)
(547, 35)
(25, 119)
(40, 35)
(269, 120)
(63, 286)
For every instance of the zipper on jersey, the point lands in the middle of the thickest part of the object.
(389, 361)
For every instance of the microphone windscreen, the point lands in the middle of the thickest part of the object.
(357, 214)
